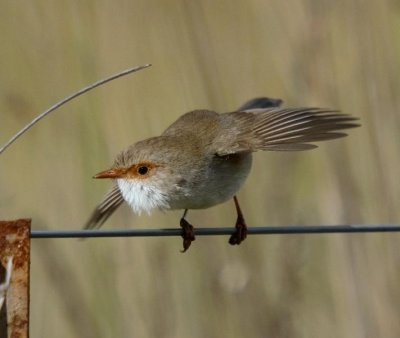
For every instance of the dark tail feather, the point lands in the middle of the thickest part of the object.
(261, 102)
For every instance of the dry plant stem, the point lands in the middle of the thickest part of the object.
(69, 98)
(4, 286)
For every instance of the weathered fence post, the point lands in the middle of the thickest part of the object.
(15, 245)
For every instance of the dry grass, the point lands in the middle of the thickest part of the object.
(210, 54)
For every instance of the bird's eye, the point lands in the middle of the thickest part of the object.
(143, 170)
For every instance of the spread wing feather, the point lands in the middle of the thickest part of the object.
(283, 129)
(111, 201)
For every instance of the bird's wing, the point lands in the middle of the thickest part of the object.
(111, 201)
(281, 129)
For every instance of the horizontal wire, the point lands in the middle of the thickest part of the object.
(316, 229)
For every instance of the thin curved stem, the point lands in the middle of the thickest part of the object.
(67, 99)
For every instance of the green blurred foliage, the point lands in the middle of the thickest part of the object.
(205, 54)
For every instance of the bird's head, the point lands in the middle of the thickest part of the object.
(148, 174)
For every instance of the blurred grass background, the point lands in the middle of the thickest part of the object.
(205, 54)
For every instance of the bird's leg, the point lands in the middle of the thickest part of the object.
(187, 232)
(241, 228)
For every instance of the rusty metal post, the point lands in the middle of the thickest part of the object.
(15, 244)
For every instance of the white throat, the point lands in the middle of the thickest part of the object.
(142, 196)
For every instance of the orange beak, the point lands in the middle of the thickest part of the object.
(111, 173)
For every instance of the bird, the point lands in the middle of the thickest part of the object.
(204, 157)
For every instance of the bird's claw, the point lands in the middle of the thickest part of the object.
(241, 232)
(187, 234)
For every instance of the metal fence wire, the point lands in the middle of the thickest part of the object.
(264, 230)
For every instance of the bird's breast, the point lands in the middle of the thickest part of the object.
(143, 196)
(217, 181)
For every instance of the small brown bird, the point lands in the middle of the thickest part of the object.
(204, 157)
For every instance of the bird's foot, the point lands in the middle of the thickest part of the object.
(241, 232)
(187, 234)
